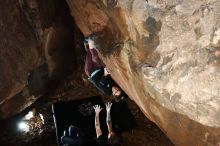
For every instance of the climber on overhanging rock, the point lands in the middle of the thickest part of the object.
(99, 75)
(92, 60)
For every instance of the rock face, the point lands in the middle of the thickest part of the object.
(19, 50)
(36, 46)
(165, 55)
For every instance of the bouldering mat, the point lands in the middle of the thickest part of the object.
(80, 113)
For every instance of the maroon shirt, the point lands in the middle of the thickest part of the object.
(92, 61)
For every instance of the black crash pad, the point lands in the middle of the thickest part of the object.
(80, 113)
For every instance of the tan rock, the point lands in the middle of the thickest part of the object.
(164, 58)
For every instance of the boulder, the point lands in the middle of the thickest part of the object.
(20, 51)
(165, 56)
(37, 46)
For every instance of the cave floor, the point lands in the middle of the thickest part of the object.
(146, 134)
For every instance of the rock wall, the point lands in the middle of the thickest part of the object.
(19, 53)
(37, 49)
(165, 55)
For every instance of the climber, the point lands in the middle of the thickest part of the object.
(113, 138)
(102, 80)
(99, 75)
(92, 60)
